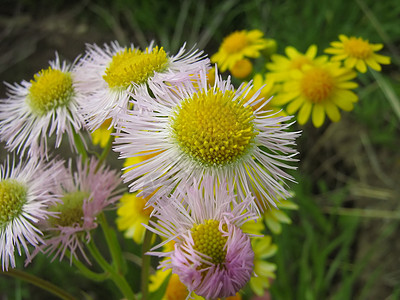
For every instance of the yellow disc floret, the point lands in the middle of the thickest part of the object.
(358, 48)
(133, 65)
(213, 127)
(12, 199)
(71, 211)
(209, 240)
(51, 88)
(317, 84)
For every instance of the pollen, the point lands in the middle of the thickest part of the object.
(70, 210)
(235, 42)
(209, 240)
(358, 48)
(12, 199)
(317, 85)
(51, 88)
(214, 128)
(133, 65)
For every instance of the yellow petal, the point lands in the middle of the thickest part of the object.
(311, 52)
(295, 105)
(361, 66)
(304, 113)
(350, 62)
(373, 64)
(343, 38)
(344, 99)
(384, 60)
(291, 52)
(318, 115)
(332, 111)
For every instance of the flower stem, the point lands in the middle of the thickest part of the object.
(80, 145)
(89, 273)
(39, 282)
(112, 243)
(116, 277)
(146, 263)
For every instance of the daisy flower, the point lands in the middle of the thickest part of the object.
(281, 66)
(319, 90)
(238, 45)
(37, 109)
(132, 213)
(357, 53)
(106, 75)
(85, 192)
(26, 190)
(198, 130)
(212, 256)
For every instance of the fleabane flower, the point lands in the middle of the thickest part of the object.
(212, 255)
(26, 191)
(281, 65)
(317, 91)
(106, 75)
(197, 130)
(357, 53)
(36, 110)
(239, 45)
(86, 192)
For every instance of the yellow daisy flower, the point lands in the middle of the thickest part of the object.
(281, 66)
(238, 45)
(269, 89)
(131, 215)
(318, 90)
(357, 53)
(263, 249)
(175, 290)
(102, 135)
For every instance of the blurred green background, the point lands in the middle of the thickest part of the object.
(343, 243)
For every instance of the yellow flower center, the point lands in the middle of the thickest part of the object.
(317, 84)
(235, 42)
(214, 128)
(50, 89)
(12, 199)
(132, 65)
(299, 61)
(176, 290)
(71, 210)
(209, 240)
(358, 48)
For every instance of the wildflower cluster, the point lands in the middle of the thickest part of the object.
(307, 84)
(206, 167)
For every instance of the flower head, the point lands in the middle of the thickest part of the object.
(357, 53)
(239, 45)
(85, 192)
(26, 190)
(205, 131)
(281, 66)
(319, 90)
(212, 255)
(106, 75)
(37, 109)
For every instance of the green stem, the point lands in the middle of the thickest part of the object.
(39, 282)
(89, 273)
(80, 145)
(112, 243)
(146, 263)
(105, 152)
(117, 278)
